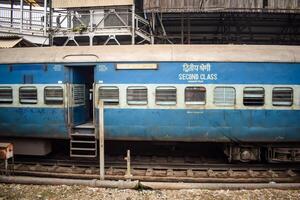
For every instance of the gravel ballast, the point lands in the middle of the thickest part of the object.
(16, 191)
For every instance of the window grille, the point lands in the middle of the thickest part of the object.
(28, 95)
(6, 95)
(224, 96)
(254, 96)
(282, 96)
(79, 94)
(195, 95)
(53, 95)
(166, 96)
(137, 95)
(109, 95)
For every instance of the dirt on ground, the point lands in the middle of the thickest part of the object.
(16, 191)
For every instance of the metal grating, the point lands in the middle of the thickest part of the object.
(195, 95)
(254, 96)
(6, 95)
(78, 94)
(53, 95)
(166, 96)
(28, 95)
(224, 96)
(282, 96)
(137, 95)
(109, 95)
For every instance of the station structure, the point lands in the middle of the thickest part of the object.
(101, 22)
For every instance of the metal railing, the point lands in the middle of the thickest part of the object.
(90, 21)
(23, 21)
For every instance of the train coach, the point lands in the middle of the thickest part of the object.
(245, 97)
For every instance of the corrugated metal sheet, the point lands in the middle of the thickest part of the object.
(4, 43)
(89, 3)
(220, 5)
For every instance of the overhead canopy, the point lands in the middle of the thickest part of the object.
(89, 3)
(221, 5)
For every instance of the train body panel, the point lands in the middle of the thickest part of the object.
(202, 125)
(219, 113)
(33, 122)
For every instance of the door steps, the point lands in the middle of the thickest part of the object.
(83, 143)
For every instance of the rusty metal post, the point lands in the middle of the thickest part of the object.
(101, 139)
(128, 174)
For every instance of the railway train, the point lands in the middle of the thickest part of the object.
(246, 97)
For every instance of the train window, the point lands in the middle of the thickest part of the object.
(28, 95)
(224, 96)
(109, 95)
(195, 95)
(53, 95)
(254, 96)
(6, 95)
(166, 95)
(282, 96)
(137, 95)
(79, 94)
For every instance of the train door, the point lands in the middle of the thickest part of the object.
(79, 81)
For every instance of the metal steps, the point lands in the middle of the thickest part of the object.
(83, 141)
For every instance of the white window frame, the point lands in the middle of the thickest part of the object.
(223, 99)
(110, 101)
(6, 100)
(290, 103)
(26, 101)
(195, 102)
(135, 102)
(59, 100)
(253, 95)
(165, 102)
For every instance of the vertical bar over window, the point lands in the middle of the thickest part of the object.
(28, 95)
(224, 96)
(137, 95)
(195, 95)
(166, 95)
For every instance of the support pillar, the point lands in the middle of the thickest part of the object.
(30, 15)
(133, 25)
(21, 19)
(45, 17)
(11, 13)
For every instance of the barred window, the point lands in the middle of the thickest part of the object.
(28, 95)
(79, 94)
(195, 95)
(6, 95)
(282, 96)
(137, 95)
(166, 95)
(254, 96)
(109, 95)
(224, 96)
(53, 95)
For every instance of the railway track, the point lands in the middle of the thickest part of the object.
(169, 171)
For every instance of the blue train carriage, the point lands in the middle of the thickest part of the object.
(245, 97)
(40, 103)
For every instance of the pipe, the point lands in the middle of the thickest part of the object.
(144, 185)
(59, 181)
(218, 186)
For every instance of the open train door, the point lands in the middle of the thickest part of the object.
(81, 128)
